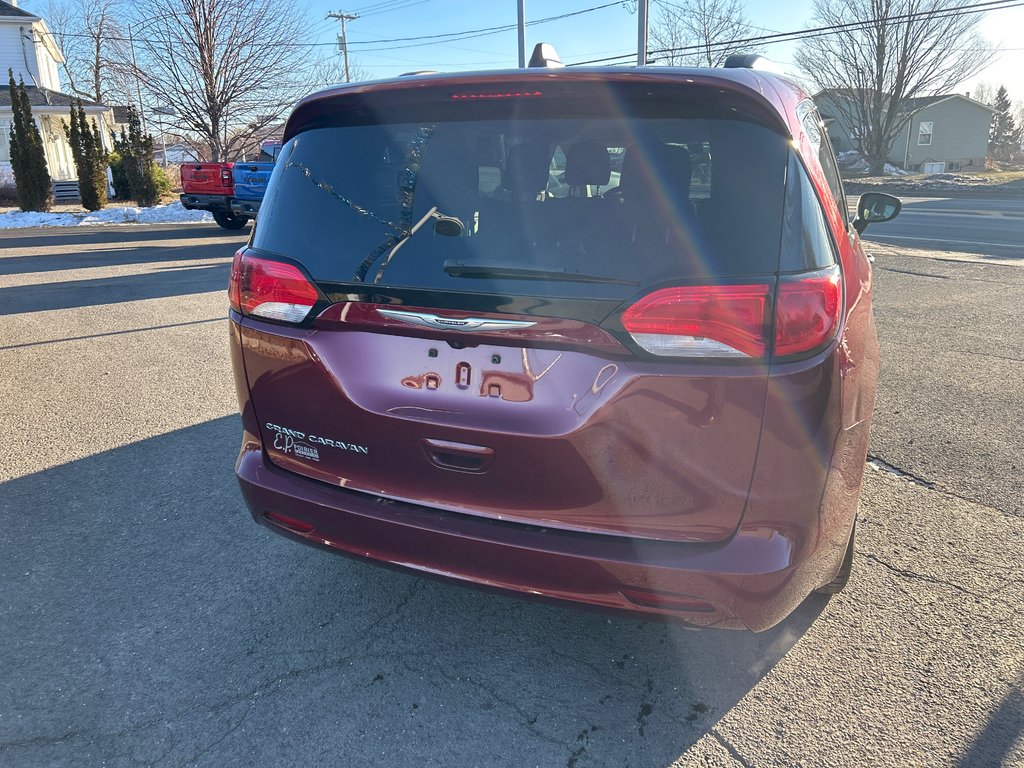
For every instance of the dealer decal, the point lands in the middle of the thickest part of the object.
(307, 446)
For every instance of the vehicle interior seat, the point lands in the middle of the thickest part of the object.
(585, 223)
(516, 218)
(658, 216)
(587, 163)
(447, 177)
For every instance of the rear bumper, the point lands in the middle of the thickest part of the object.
(247, 208)
(206, 202)
(752, 581)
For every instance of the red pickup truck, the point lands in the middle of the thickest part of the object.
(210, 187)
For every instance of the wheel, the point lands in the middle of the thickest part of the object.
(836, 585)
(229, 220)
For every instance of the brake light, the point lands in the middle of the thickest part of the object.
(701, 321)
(807, 311)
(496, 95)
(271, 289)
(734, 321)
(225, 176)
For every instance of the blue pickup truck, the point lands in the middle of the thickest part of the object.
(251, 181)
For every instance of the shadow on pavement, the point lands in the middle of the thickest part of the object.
(174, 281)
(992, 746)
(125, 242)
(146, 618)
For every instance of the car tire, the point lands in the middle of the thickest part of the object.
(229, 220)
(836, 585)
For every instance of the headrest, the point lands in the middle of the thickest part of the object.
(526, 168)
(448, 175)
(653, 169)
(587, 162)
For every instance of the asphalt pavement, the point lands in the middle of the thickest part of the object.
(991, 230)
(144, 619)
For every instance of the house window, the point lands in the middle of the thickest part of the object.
(5, 133)
(924, 134)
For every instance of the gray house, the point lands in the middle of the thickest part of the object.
(939, 133)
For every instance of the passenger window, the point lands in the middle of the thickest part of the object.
(806, 242)
(818, 137)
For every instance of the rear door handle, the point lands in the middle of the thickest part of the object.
(460, 457)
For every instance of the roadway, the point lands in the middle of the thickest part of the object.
(987, 229)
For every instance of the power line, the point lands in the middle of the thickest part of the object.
(440, 39)
(492, 30)
(785, 37)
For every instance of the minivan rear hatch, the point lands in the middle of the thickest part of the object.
(543, 302)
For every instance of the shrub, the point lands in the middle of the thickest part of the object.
(119, 176)
(90, 158)
(28, 160)
(136, 152)
(162, 181)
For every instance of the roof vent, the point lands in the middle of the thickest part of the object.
(545, 55)
(749, 61)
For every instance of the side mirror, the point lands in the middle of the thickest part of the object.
(876, 207)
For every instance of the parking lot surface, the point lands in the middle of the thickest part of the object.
(144, 619)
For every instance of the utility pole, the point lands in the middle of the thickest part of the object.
(522, 33)
(343, 38)
(641, 33)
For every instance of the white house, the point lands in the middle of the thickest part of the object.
(28, 48)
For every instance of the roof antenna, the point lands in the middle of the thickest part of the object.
(545, 55)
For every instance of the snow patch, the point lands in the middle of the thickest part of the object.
(853, 162)
(172, 213)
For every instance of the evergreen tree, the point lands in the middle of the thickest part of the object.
(136, 151)
(1004, 139)
(90, 158)
(28, 160)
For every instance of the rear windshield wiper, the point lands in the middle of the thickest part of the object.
(526, 272)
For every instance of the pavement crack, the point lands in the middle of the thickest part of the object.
(916, 274)
(917, 576)
(223, 736)
(529, 719)
(728, 747)
(882, 465)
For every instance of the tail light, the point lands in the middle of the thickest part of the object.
(807, 311)
(701, 321)
(735, 321)
(225, 175)
(270, 289)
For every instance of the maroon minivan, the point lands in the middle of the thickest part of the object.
(602, 335)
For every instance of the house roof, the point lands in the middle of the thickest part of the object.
(917, 104)
(912, 105)
(920, 102)
(44, 97)
(6, 9)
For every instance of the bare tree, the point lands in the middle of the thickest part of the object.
(329, 70)
(224, 69)
(703, 28)
(985, 93)
(901, 49)
(89, 36)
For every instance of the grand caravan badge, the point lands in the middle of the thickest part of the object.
(307, 446)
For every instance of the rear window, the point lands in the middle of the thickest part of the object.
(597, 206)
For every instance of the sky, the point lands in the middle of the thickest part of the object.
(606, 32)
